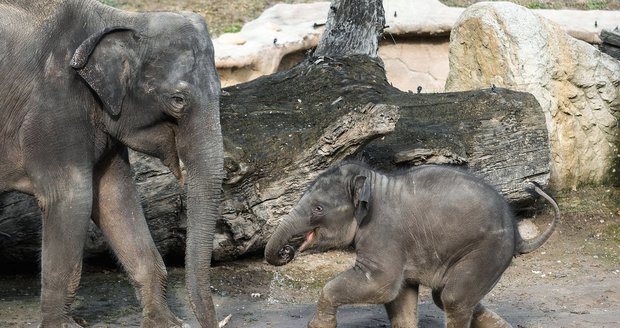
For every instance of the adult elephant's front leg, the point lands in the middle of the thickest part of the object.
(66, 207)
(355, 286)
(118, 214)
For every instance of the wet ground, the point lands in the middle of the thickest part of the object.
(572, 281)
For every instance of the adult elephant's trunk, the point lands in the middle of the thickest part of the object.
(199, 142)
(277, 251)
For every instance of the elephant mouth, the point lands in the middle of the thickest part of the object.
(310, 239)
(176, 167)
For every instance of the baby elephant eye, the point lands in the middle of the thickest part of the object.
(178, 101)
(318, 209)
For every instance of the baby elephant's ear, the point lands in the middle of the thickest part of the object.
(361, 196)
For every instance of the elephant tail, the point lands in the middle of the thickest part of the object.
(528, 245)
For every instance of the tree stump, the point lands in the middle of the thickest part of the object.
(282, 130)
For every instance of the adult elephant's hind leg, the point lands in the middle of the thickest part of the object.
(118, 214)
(402, 311)
(66, 210)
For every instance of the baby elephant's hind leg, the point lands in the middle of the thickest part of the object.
(485, 318)
(402, 311)
(461, 297)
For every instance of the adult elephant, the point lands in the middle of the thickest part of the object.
(81, 83)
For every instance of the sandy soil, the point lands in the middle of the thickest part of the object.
(572, 281)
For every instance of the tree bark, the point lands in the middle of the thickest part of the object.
(281, 130)
(353, 27)
(611, 43)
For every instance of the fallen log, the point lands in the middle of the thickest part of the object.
(610, 42)
(281, 130)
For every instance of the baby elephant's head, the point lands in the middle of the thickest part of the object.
(328, 214)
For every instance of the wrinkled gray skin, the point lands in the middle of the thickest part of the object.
(81, 83)
(432, 226)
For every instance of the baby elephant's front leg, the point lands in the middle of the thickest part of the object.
(325, 316)
(354, 286)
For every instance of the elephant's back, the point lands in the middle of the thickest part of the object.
(454, 215)
(454, 192)
(455, 208)
(447, 181)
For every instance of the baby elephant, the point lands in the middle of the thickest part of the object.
(433, 226)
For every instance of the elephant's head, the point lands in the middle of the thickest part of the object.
(156, 82)
(328, 214)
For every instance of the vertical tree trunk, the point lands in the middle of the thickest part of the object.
(353, 28)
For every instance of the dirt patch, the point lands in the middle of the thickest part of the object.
(572, 281)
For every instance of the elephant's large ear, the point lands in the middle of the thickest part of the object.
(361, 196)
(103, 60)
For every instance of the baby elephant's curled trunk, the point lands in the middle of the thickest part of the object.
(286, 253)
(278, 252)
(279, 256)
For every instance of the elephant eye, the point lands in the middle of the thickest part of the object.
(178, 102)
(318, 209)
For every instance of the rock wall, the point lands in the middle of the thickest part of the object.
(261, 45)
(576, 85)
(413, 62)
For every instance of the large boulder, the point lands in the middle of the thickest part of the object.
(577, 86)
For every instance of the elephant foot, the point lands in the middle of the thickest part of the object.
(322, 321)
(325, 316)
(177, 323)
(484, 317)
(163, 318)
(404, 324)
(61, 323)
